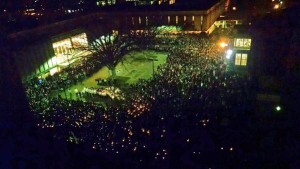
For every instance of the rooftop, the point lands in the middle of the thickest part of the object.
(19, 20)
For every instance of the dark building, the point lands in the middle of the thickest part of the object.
(275, 54)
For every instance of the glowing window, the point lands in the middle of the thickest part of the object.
(184, 18)
(147, 20)
(176, 19)
(140, 20)
(79, 40)
(244, 59)
(241, 59)
(62, 47)
(169, 19)
(238, 58)
(245, 43)
(193, 18)
(66, 49)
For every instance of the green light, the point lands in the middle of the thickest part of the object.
(166, 28)
(278, 108)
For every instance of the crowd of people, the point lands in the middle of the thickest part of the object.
(112, 92)
(73, 74)
(168, 120)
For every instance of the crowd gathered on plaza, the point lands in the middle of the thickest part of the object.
(168, 120)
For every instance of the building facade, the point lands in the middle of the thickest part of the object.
(44, 50)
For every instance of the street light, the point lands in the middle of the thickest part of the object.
(223, 44)
(278, 108)
(229, 53)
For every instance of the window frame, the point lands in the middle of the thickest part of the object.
(241, 59)
(241, 43)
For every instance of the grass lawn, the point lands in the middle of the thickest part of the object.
(135, 66)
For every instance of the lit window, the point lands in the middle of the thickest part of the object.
(201, 20)
(147, 20)
(246, 43)
(238, 58)
(238, 42)
(140, 20)
(244, 59)
(169, 19)
(66, 49)
(115, 32)
(62, 46)
(79, 41)
(193, 18)
(176, 19)
(184, 18)
(241, 59)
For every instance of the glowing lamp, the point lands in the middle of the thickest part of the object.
(278, 108)
(229, 53)
(276, 6)
(223, 44)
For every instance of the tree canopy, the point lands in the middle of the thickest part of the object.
(111, 48)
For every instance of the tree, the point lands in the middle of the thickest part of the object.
(110, 49)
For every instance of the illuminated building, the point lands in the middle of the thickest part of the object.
(49, 55)
(166, 1)
(106, 2)
(241, 46)
(52, 46)
(134, 2)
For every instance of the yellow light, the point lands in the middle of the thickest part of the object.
(223, 44)
(276, 6)
(53, 71)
